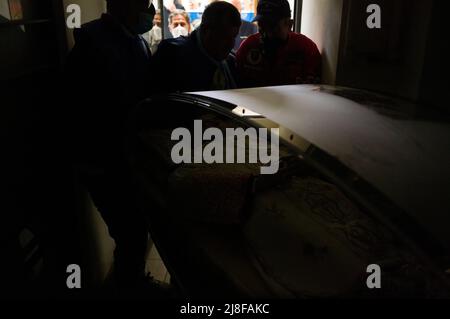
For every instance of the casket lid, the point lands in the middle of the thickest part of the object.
(398, 149)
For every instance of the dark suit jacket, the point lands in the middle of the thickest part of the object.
(107, 71)
(180, 65)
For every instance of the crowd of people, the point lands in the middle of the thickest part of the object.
(122, 58)
(265, 51)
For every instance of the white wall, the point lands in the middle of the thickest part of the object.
(90, 10)
(321, 22)
(388, 60)
(97, 243)
(4, 9)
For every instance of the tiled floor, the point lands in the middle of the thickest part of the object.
(156, 266)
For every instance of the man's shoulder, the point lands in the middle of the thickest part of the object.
(94, 25)
(298, 39)
(180, 44)
(252, 42)
(176, 52)
(253, 39)
(97, 31)
(88, 30)
(177, 42)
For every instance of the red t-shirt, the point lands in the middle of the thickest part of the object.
(297, 61)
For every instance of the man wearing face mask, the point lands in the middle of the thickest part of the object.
(179, 23)
(204, 56)
(154, 36)
(276, 55)
(107, 71)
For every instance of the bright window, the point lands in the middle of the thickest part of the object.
(181, 17)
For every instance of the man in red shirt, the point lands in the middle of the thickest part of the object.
(276, 55)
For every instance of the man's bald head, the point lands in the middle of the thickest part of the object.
(220, 14)
(220, 26)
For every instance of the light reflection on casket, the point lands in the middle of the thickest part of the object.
(351, 199)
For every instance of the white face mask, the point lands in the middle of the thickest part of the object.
(179, 31)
